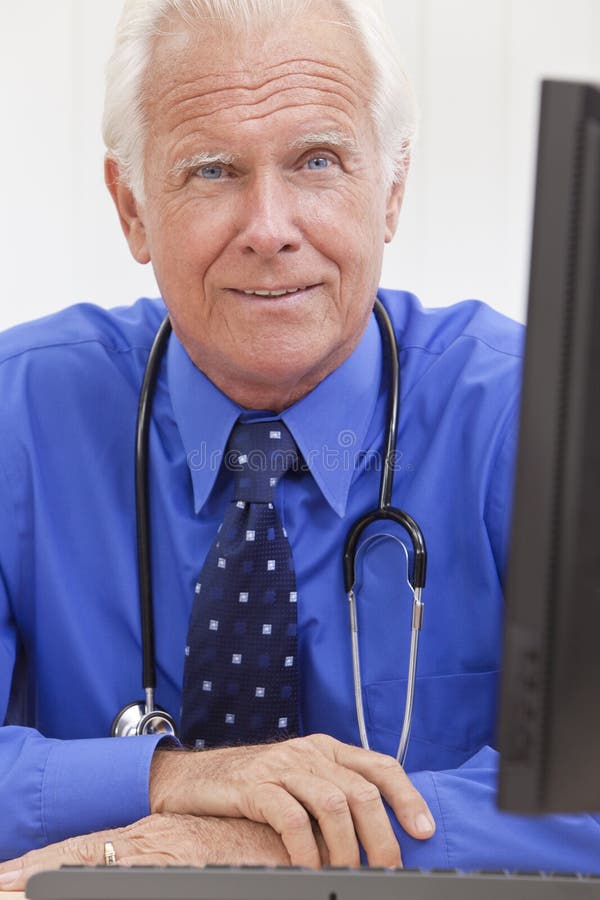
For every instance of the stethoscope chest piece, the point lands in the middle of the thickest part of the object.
(134, 719)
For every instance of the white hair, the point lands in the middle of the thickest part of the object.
(124, 123)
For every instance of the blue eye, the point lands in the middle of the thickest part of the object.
(210, 172)
(318, 162)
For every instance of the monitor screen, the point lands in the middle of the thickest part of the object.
(549, 730)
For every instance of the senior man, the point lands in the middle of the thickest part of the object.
(257, 155)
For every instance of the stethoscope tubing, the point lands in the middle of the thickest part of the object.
(124, 721)
(385, 511)
(142, 512)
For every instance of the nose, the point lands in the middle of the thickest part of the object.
(269, 217)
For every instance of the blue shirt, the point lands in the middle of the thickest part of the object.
(70, 646)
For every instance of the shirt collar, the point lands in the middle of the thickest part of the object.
(329, 424)
(204, 417)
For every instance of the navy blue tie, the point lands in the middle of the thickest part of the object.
(240, 675)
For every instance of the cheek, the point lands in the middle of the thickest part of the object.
(353, 218)
(184, 243)
(355, 242)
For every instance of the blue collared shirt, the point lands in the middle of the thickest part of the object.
(70, 646)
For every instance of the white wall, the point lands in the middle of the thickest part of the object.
(465, 227)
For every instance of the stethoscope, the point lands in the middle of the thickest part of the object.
(145, 717)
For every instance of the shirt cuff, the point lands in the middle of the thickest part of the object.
(430, 853)
(93, 784)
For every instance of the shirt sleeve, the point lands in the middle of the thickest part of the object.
(52, 789)
(472, 833)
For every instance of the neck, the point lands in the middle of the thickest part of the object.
(274, 395)
(276, 390)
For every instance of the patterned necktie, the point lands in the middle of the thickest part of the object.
(240, 681)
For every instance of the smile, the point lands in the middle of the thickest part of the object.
(277, 293)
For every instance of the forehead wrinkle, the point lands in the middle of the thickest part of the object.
(311, 62)
(347, 81)
(276, 90)
(343, 94)
(248, 74)
(277, 98)
(180, 58)
(300, 105)
(260, 115)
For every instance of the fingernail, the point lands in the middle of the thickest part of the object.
(423, 824)
(8, 878)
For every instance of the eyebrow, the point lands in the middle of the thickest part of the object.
(204, 158)
(328, 138)
(304, 142)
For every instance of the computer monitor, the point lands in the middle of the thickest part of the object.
(549, 728)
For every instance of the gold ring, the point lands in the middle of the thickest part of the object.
(110, 857)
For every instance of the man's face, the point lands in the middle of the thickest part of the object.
(263, 175)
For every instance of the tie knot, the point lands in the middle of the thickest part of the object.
(259, 454)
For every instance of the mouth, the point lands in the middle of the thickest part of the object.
(275, 293)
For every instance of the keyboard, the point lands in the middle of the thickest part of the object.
(261, 883)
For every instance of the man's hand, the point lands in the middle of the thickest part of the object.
(284, 784)
(164, 840)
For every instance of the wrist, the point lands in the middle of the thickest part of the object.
(169, 787)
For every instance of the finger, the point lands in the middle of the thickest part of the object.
(15, 879)
(370, 819)
(14, 874)
(387, 774)
(83, 850)
(343, 802)
(328, 803)
(275, 806)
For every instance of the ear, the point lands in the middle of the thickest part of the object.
(393, 206)
(130, 213)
